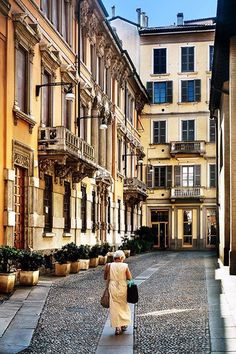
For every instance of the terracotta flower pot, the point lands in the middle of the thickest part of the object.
(84, 264)
(28, 277)
(102, 260)
(62, 269)
(93, 262)
(110, 257)
(127, 253)
(7, 282)
(75, 267)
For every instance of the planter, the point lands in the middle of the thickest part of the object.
(110, 257)
(127, 253)
(7, 282)
(84, 264)
(74, 267)
(93, 262)
(102, 260)
(62, 269)
(29, 277)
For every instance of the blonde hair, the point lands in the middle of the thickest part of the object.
(119, 254)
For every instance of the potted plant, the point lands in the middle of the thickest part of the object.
(8, 259)
(104, 249)
(84, 256)
(62, 266)
(73, 257)
(93, 256)
(30, 262)
(125, 246)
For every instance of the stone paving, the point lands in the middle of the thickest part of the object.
(181, 310)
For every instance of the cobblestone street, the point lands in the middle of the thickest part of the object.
(171, 317)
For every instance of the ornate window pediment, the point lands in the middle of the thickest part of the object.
(26, 32)
(5, 7)
(50, 56)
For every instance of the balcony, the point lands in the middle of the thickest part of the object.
(59, 147)
(135, 190)
(197, 148)
(187, 193)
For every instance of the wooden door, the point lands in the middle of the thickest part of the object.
(20, 194)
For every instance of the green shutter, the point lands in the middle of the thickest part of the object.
(169, 91)
(150, 90)
(197, 175)
(197, 90)
(149, 176)
(184, 91)
(177, 176)
(169, 176)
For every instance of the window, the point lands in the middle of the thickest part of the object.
(129, 106)
(159, 132)
(83, 123)
(132, 219)
(119, 216)
(188, 176)
(109, 214)
(212, 130)
(119, 153)
(93, 212)
(160, 92)
(83, 209)
(66, 207)
(211, 227)
(188, 228)
(191, 90)
(212, 172)
(187, 59)
(159, 61)
(211, 56)
(188, 130)
(100, 72)
(67, 113)
(47, 202)
(162, 176)
(46, 101)
(22, 59)
(93, 61)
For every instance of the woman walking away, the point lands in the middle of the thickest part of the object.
(118, 273)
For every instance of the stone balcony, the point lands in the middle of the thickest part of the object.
(186, 193)
(188, 148)
(135, 190)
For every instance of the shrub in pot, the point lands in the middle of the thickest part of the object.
(93, 256)
(62, 266)
(147, 237)
(8, 260)
(30, 262)
(84, 256)
(104, 249)
(125, 246)
(73, 256)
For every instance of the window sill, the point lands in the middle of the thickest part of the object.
(162, 103)
(188, 73)
(160, 75)
(49, 234)
(66, 234)
(18, 114)
(188, 103)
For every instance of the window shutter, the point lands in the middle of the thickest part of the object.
(162, 132)
(197, 90)
(184, 91)
(169, 91)
(212, 176)
(150, 90)
(197, 175)
(169, 176)
(149, 177)
(177, 176)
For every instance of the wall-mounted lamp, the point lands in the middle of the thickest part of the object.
(140, 157)
(149, 166)
(69, 93)
(103, 124)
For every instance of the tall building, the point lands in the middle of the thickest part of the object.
(70, 137)
(222, 106)
(177, 133)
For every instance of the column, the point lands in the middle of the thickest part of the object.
(109, 148)
(102, 147)
(94, 113)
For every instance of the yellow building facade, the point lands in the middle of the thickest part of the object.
(68, 163)
(178, 136)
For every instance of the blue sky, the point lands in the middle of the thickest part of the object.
(163, 12)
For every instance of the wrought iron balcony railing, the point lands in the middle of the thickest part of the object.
(186, 192)
(188, 147)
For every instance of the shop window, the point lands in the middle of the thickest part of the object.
(188, 228)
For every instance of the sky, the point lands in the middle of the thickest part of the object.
(162, 12)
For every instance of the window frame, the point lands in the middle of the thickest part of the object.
(212, 121)
(194, 90)
(212, 182)
(152, 131)
(210, 62)
(67, 207)
(167, 184)
(181, 59)
(83, 209)
(194, 129)
(153, 61)
(188, 244)
(48, 203)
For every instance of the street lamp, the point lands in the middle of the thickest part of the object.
(69, 93)
(104, 119)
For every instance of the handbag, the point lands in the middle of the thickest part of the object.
(132, 293)
(105, 299)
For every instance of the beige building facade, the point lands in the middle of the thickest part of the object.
(177, 133)
(68, 165)
(222, 106)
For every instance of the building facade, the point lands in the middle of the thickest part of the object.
(178, 135)
(222, 105)
(69, 166)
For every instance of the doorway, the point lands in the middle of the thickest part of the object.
(21, 219)
(160, 225)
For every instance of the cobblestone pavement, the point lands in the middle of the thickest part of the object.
(171, 316)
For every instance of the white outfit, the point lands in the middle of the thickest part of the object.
(120, 314)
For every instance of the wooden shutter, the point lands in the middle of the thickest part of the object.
(177, 176)
(197, 175)
(169, 91)
(150, 90)
(21, 79)
(184, 91)
(162, 127)
(169, 176)
(149, 177)
(197, 90)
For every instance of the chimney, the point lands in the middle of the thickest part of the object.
(180, 19)
(139, 16)
(113, 11)
(146, 21)
(142, 24)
